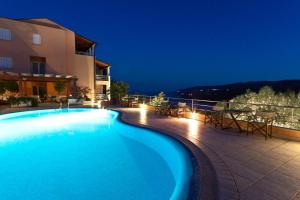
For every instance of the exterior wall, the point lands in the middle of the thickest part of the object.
(50, 89)
(84, 69)
(52, 92)
(28, 88)
(57, 46)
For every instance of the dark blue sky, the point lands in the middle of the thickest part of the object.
(168, 44)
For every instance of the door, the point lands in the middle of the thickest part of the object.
(35, 90)
(104, 89)
(39, 89)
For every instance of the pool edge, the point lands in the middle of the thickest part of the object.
(204, 184)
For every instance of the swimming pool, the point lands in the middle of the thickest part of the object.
(81, 153)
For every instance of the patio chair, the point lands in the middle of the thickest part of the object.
(133, 102)
(181, 109)
(214, 116)
(173, 107)
(164, 108)
(261, 122)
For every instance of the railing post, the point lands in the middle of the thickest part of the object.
(192, 105)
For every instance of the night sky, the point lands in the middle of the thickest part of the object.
(168, 45)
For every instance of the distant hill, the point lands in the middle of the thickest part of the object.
(228, 91)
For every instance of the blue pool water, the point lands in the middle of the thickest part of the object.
(78, 154)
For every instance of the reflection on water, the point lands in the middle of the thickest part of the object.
(42, 123)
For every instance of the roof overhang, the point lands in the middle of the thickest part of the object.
(35, 77)
(102, 64)
(82, 43)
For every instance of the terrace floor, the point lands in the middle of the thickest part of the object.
(247, 167)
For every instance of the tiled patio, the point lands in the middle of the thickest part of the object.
(248, 165)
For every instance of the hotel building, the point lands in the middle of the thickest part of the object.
(38, 52)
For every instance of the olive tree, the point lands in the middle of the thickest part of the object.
(118, 90)
(59, 87)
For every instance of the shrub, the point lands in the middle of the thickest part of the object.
(16, 101)
(12, 100)
(34, 102)
(157, 100)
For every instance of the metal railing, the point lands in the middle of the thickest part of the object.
(286, 115)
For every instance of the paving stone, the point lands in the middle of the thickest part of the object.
(255, 194)
(242, 182)
(277, 189)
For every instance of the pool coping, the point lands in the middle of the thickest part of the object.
(204, 184)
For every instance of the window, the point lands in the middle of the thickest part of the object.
(5, 34)
(6, 63)
(38, 68)
(36, 39)
(38, 65)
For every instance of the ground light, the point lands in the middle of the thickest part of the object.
(143, 113)
(143, 106)
(99, 104)
(193, 115)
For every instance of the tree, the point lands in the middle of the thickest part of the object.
(11, 86)
(265, 100)
(118, 90)
(84, 91)
(2, 88)
(59, 87)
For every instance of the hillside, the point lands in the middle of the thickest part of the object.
(228, 91)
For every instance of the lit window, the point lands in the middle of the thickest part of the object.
(5, 34)
(36, 39)
(6, 63)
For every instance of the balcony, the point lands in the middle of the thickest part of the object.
(102, 77)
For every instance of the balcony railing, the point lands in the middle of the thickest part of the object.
(102, 77)
(86, 53)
